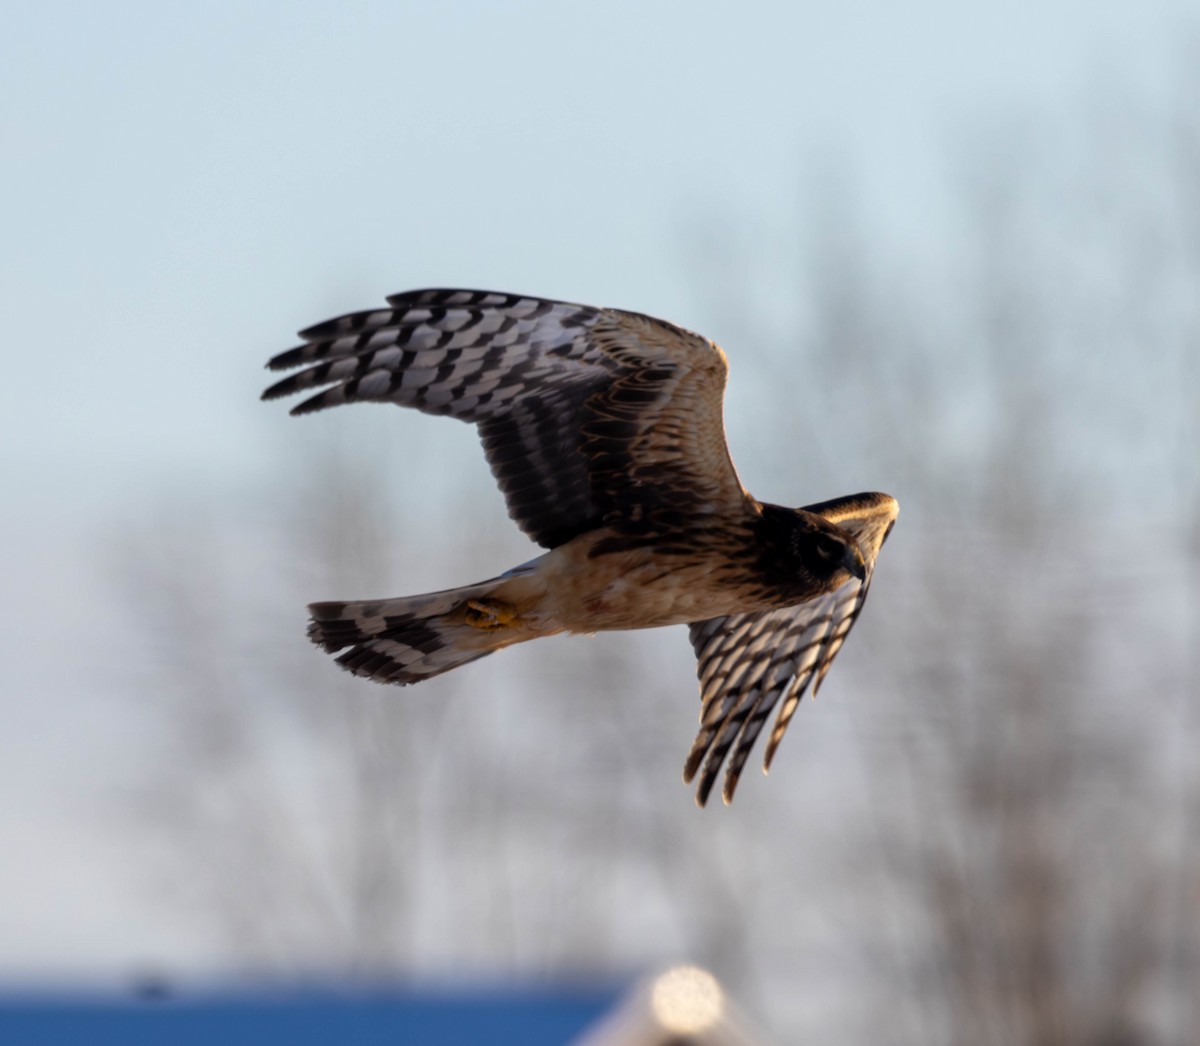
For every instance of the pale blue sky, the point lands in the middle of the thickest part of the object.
(185, 186)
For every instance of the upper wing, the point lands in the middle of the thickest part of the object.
(747, 662)
(587, 416)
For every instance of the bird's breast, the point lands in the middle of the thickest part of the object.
(643, 587)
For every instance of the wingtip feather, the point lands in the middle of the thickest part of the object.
(326, 398)
(729, 788)
(280, 389)
(287, 360)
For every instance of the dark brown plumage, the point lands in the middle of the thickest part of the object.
(604, 431)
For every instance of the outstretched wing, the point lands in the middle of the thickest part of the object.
(588, 416)
(748, 662)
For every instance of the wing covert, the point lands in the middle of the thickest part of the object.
(587, 415)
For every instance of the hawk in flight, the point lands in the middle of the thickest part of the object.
(604, 431)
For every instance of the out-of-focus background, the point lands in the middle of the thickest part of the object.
(953, 253)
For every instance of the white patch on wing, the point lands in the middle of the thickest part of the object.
(375, 383)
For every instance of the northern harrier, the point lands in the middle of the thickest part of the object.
(603, 429)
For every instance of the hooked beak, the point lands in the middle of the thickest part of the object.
(855, 563)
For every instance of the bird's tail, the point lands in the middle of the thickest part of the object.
(417, 637)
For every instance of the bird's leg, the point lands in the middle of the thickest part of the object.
(489, 614)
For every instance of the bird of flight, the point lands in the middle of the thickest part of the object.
(603, 429)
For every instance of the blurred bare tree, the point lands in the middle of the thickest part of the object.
(1031, 840)
(1006, 848)
(519, 817)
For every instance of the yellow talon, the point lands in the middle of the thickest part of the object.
(489, 615)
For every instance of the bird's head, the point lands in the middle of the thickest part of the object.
(831, 553)
(810, 546)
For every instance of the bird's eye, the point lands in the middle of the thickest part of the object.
(829, 549)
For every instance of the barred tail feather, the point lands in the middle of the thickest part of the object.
(406, 640)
